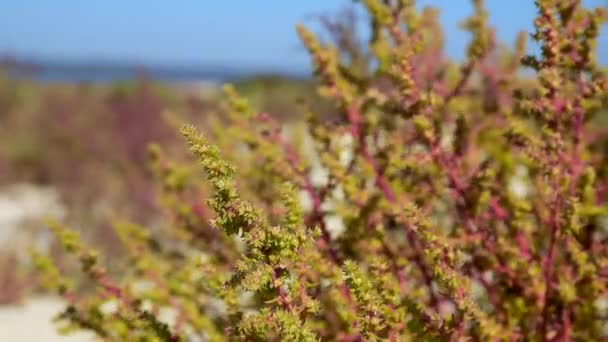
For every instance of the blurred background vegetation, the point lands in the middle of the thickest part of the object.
(82, 147)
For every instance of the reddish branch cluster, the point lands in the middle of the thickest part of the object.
(457, 202)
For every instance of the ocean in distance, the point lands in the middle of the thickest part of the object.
(57, 71)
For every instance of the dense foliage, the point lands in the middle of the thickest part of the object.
(444, 202)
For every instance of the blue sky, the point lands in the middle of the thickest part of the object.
(246, 33)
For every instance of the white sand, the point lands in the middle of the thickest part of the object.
(32, 322)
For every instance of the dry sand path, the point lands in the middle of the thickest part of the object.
(31, 321)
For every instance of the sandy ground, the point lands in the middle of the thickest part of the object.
(31, 321)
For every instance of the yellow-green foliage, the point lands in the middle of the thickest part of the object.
(456, 203)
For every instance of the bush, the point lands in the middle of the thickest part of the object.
(64, 136)
(445, 202)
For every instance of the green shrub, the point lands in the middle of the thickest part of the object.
(455, 202)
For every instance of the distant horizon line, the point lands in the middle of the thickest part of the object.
(51, 68)
(135, 63)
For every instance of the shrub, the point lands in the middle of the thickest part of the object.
(455, 202)
(64, 136)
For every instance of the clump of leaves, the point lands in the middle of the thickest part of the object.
(445, 202)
